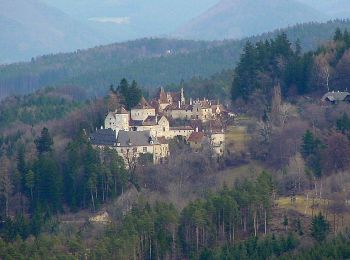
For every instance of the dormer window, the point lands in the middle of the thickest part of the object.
(118, 144)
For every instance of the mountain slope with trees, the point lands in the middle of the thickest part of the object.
(235, 19)
(151, 62)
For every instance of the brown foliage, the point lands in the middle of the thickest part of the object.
(335, 156)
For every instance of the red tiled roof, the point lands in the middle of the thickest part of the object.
(143, 104)
(196, 137)
(162, 140)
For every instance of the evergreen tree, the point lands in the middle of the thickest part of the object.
(310, 144)
(338, 35)
(319, 228)
(131, 94)
(5, 182)
(44, 143)
(134, 95)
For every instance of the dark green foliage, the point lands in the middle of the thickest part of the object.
(131, 94)
(143, 60)
(285, 222)
(39, 107)
(91, 177)
(297, 226)
(48, 184)
(253, 248)
(319, 228)
(310, 144)
(272, 62)
(44, 143)
(337, 248)
(311, 148)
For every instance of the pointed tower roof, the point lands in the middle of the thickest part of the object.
(143, 104)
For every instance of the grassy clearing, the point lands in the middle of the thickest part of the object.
(236, 138)
(229, 176)
(303, 204)
(309, 207)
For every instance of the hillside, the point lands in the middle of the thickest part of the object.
(31, 28)
(235, 19)
(280, 190)
(141, 18)
(148, 61)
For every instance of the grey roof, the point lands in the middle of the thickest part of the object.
(103, 137)
(335, 96)
(135, 138)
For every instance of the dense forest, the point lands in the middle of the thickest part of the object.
(279, 62)
(151, 62)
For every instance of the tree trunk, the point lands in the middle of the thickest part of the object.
(197, 238)
(265, 229)
(254, 222)
(174, 245)
(150, 247)
(92, 199)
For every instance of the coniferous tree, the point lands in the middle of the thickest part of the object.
(44, 143)
(319, 228)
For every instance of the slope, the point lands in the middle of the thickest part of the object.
(152, 62)
(234, 19)
(130, 19)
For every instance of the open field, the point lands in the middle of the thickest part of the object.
(236, 139)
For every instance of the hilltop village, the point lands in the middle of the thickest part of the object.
(147, 128)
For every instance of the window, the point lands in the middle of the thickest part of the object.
(134, 149)
(220, 142)
(163, 129)
(145, 149)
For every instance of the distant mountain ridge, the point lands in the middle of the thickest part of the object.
(30, 28)
(235, 19)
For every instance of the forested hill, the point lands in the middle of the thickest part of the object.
(151, 62)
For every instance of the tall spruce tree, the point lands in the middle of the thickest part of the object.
(44, 143)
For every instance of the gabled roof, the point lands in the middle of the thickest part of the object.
(335, 96)
(149, 121)
(196, 137)
(143, 104)
(186, 127)
(103, 137)
(176, 107)
(176, 96)
(121, 110)
(162, 97)
(135, 138)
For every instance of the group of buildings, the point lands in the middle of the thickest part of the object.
(146, 128)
